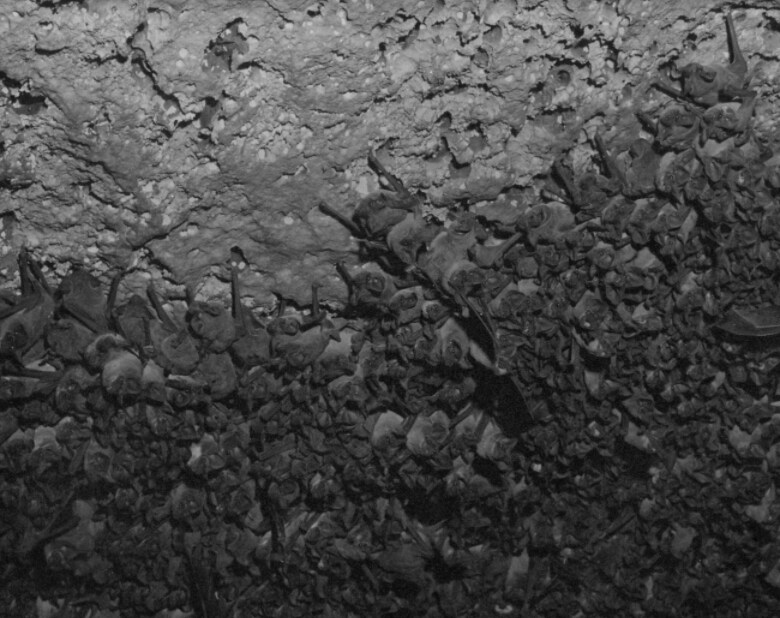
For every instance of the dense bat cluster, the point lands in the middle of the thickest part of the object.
(121, 414)
(472, 434)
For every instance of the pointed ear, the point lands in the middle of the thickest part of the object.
(612, 168)
(159, 309)
(25, 276)
(380, 169)
(30, 273)
(9, 311)
(669, 90)
(351, 226)
(235, 290)
(113, 291)
(316, 313)
(707, 74)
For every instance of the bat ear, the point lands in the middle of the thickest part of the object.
(237, 256)
(16, 338)
(376, 283)
(30, 273)
(639, 147)
(708, 75)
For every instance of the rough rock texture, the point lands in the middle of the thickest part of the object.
(154, 135)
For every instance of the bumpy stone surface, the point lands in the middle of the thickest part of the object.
(154, 135)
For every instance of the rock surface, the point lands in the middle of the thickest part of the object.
(155, 135)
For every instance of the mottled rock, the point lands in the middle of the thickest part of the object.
(156, 134)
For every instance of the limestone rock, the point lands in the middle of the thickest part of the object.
(154, 135)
